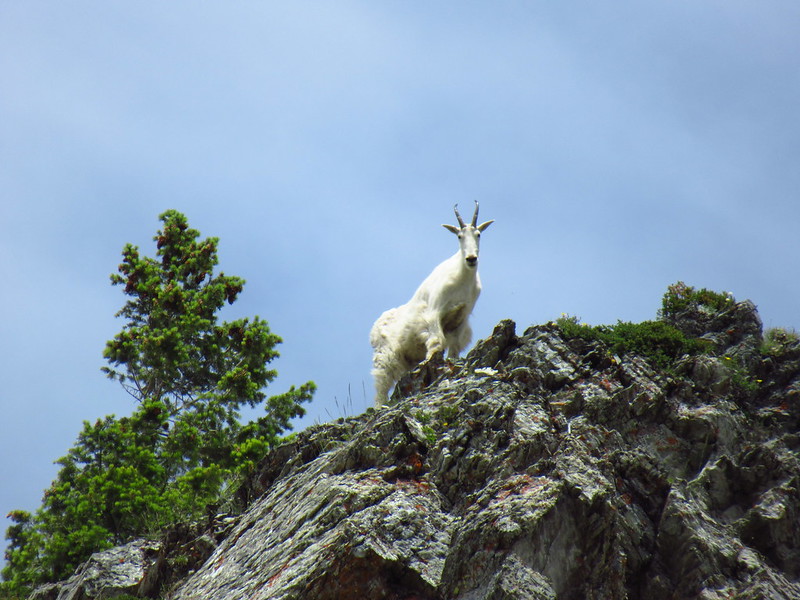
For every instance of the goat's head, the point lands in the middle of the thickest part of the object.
(469, 236)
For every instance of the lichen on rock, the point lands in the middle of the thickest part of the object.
(538, 466)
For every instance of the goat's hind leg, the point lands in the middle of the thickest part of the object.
(388, 366)
(383, 382)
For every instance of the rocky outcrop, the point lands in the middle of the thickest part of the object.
(141, 568)
(106, 574)
(538, 467)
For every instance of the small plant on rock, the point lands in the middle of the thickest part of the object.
(658, 341)
(680, 297)
(778, 341)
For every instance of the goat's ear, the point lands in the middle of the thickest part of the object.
(483, 226)
(452, 228)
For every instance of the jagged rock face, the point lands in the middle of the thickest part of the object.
(141, 568)
(536, 468)
(106, 574)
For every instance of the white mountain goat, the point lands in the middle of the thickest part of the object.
(437, 316)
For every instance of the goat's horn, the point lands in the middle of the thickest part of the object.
(458, 216)
(475, 216)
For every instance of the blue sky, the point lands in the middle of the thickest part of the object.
(619, 148)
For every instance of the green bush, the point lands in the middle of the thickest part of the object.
(660, 342)
(680, 297)
(778, 340)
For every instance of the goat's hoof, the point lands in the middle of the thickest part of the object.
(435, 357)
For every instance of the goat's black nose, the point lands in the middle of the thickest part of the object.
(472, 260)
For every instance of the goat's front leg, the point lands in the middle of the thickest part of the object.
(458, 340)
(437, 347)
(434, 340)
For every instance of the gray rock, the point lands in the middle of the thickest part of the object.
(536, 467)
(106, 574)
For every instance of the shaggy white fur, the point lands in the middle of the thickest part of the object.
(437, 316)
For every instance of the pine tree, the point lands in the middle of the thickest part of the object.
(200, 373)
(184, 444)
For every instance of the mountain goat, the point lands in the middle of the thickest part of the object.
(437, 316)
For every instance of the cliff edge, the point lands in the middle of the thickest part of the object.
(541, 466)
